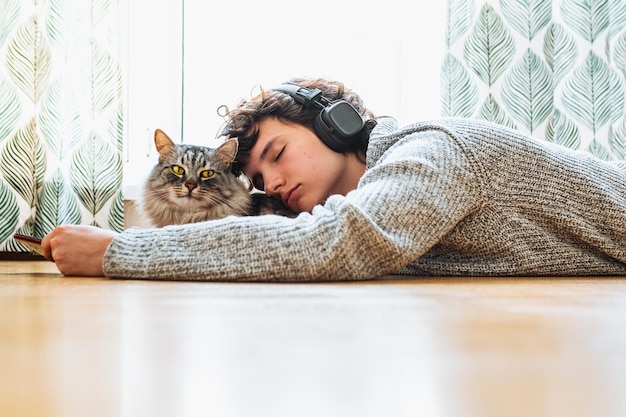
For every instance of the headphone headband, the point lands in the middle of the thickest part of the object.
(303, 95)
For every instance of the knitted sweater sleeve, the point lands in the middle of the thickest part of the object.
(418, 189)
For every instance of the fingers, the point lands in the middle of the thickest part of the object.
(46, 245)
(77, 249)
(56, 240)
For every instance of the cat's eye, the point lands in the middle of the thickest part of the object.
(208, 173)
(178, 170)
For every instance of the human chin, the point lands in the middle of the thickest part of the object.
(307, 204)
(301, 206)
(300, 202)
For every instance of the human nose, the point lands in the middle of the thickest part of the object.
(274, 184)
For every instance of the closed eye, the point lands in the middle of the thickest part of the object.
(279, 154)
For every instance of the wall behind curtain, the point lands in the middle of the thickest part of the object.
(61, 116)
(552, 68)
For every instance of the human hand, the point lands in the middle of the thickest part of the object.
(77, 249)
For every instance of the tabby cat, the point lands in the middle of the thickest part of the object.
(192, 183)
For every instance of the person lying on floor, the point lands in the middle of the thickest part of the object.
(449, 197)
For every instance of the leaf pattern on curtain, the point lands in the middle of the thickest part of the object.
(563, 131)
(116, 219)
(92, 174)
(586, 18)
(57, 204)
(617, 17)
(527, 17)
(63, 116)
(490, 110)
(24, 163)
(459, 19)
(60, 119)
(10, 109)
(28, 59)
(620, 53)
(9, 14)
(489, 48)
(560, 51)
(555, 69)
(458, 92)
(598, 150)
(617, 141)
(105, 82)
(527, 91)
(10, 212)
(587, 93)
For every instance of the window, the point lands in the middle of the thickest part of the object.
(187, 58)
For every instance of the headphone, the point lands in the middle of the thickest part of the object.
(338, 123)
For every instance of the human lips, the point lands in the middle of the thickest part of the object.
(289, 197)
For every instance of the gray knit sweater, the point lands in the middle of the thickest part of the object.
(452, 197)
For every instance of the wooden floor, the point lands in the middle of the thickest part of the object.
(75, 347)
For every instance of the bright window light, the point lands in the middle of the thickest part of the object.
(187, 58)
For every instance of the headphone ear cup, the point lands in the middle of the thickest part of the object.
(338, 125)
(324, 132)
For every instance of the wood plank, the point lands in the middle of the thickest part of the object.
(435, 347)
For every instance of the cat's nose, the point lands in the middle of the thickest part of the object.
(190, 186)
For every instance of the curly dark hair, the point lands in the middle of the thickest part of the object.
(242, 121)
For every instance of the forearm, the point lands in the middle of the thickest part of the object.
(309, 248)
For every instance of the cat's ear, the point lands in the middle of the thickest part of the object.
(164, 145)
(227, 151)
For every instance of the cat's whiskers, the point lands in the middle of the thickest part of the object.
(213, 198)
(161, 192)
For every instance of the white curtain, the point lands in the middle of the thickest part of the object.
(61, 116)
(552, 68)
